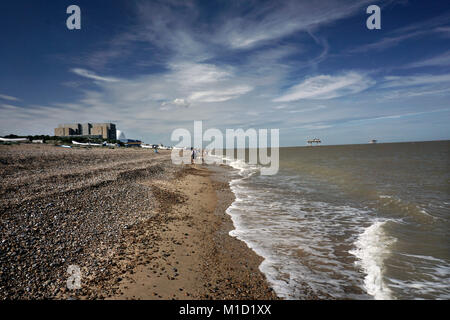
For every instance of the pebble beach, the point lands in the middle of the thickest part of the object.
(136, 226)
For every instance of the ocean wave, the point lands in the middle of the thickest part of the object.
(405, 209)
(286, 230)
(372, 248)
(309, 235)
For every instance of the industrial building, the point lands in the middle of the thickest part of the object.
(94, 130)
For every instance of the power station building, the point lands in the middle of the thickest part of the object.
(94, 130)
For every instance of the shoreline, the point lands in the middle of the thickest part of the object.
(206, 262)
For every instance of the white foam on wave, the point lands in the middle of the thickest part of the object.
(240, 232)
(372, 248)
(272, 230)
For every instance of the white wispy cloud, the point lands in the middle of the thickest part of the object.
(388, 42)
(8, 106)
(364, 120)
(398, 116)
(405, 87)
(415, 80)
(193, 88)
(277, 19)
(441, 60)
(327, 87)
(409, 32)
(320, 107)
(184, 84)
(9, 98)
(198, 73)
(315, 126)
(91, 75)
(445, 31)
(415, 92)
(176, 103)
(173, 27)
(219, 95)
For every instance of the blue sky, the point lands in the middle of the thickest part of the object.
(308, 68)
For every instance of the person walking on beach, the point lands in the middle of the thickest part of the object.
(192, 155)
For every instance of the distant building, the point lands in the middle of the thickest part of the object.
(86, 129)
(106, 130)
(95, 130)
(66, 130)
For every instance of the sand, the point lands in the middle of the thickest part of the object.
(138, 227)
(197, 259)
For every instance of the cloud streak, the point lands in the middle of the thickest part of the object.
(442, 60)
(91, 75)
(413, 31)
(271, 20)
(9, 98)
(220, 95)
(415, 80)
(325, 87)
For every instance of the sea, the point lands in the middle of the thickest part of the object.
(349, 222)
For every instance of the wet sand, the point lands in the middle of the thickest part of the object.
(196, 258)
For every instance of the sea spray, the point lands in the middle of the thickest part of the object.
(372, 248)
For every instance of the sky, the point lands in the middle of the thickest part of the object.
(311, 69)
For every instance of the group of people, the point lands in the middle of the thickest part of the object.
(196, 152)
